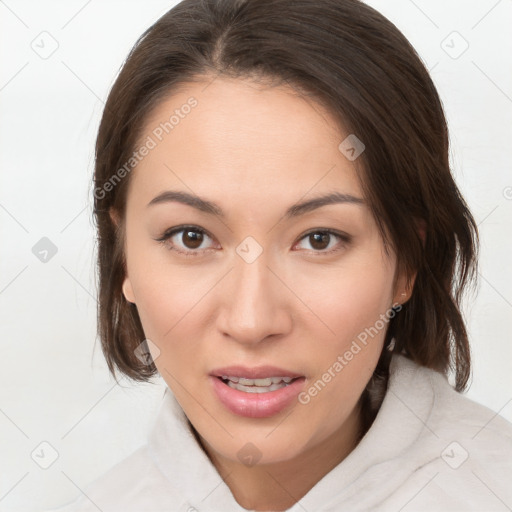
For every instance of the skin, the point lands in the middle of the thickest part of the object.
(255, 151)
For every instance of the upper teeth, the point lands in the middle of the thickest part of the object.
(257, 382)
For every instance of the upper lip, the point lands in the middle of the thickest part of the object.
(259, 372)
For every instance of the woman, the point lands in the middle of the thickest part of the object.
(281, 239)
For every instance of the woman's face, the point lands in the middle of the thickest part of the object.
(251, 285)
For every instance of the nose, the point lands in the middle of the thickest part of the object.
(255, 303)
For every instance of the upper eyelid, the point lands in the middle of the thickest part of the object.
(172, 231)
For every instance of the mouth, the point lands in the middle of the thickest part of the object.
(256, 392)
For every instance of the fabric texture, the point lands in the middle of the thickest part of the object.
(430, 448)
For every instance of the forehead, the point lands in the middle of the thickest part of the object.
(243, 137)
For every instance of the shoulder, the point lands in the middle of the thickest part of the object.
(463, 455)
(451, 413)
(131, 485)
(454, 414)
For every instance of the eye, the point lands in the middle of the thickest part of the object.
(320, 240)
(186, 240)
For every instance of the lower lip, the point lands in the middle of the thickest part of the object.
(257, 405)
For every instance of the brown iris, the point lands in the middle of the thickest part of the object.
(319, 238)
(192, 239)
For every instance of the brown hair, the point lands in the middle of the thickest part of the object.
(352, 60)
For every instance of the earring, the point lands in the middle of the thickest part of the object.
(391, 345)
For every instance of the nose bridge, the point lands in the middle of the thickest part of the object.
(253, 302)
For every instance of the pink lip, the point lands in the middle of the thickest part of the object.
(260, 372)
(257, 405)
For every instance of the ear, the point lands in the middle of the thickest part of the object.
(404, 286)
(127, 285)
(114, 216)
(403, 289)
(128, 290)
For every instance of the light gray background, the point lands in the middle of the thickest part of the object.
(54, 383)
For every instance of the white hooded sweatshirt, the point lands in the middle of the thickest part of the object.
(429, 449)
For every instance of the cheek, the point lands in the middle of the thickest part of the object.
(164, 292)
(157, 300)
(167, 303)
(348, 299)
(348, 341)
(351, 304)
(169, 319)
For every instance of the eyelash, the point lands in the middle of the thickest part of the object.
(345, 238)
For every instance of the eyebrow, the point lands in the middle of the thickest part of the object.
(295, 210)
